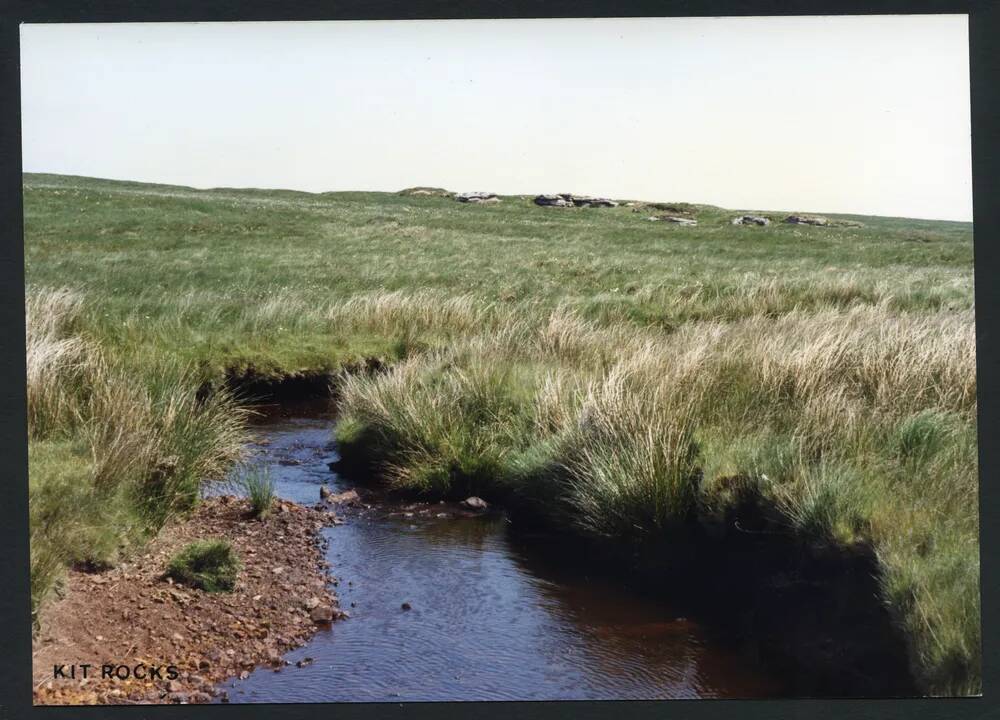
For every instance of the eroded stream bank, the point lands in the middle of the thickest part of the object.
(501, 610)
(494, 613)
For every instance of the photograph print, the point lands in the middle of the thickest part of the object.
(489, 360)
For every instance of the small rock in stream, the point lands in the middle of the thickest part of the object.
(348, 497)
(321, 614)
(475, 503)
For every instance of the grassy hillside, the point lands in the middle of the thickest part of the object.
(237, 275)
(628, 375)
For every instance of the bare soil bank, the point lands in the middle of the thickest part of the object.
(257, 388)
(131, 616)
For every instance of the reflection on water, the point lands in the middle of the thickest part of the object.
(495, 615)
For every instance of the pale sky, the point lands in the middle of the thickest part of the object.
(863, 115)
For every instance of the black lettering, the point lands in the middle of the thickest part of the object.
(106, 671)
(154, 673)
(172, 673)
(85, 667)
(119, 670)
(59, 671)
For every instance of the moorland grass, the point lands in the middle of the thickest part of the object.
(618, 374)
(857, 427)
(210, 565)
(113, 453)
(257, 485)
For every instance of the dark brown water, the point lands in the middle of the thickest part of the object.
(497, 614)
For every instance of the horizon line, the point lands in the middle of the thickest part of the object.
(530, 194)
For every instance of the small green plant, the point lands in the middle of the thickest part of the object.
(258, 485)
(924, 434)
(207, 564)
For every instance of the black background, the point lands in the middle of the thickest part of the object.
(15, 619)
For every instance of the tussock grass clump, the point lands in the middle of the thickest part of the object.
(210, 565)
(115, 451)
(258, 486)
(396, 313)
(55, 359)
(854, 426)
(630, 461)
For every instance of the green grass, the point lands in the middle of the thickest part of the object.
(114, 451)
(621, 376)
(258, 486)
(250, 277)
(855, 428)
(210, 565)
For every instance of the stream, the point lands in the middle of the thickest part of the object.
(497, 613)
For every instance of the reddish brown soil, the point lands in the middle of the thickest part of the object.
(131, 614)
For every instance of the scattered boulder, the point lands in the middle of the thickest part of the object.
(431, 191)
(588, 201)
(552, 201)
(478, 197)
(348, 497)
(676, 208)
(806, 220)
(571, 200)
(751, 220)
(676, 219)
(683, 209)
(474, 503)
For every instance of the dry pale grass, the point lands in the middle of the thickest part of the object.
(855, 424)
(398, 313)
(114, 452)
(53, 356)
